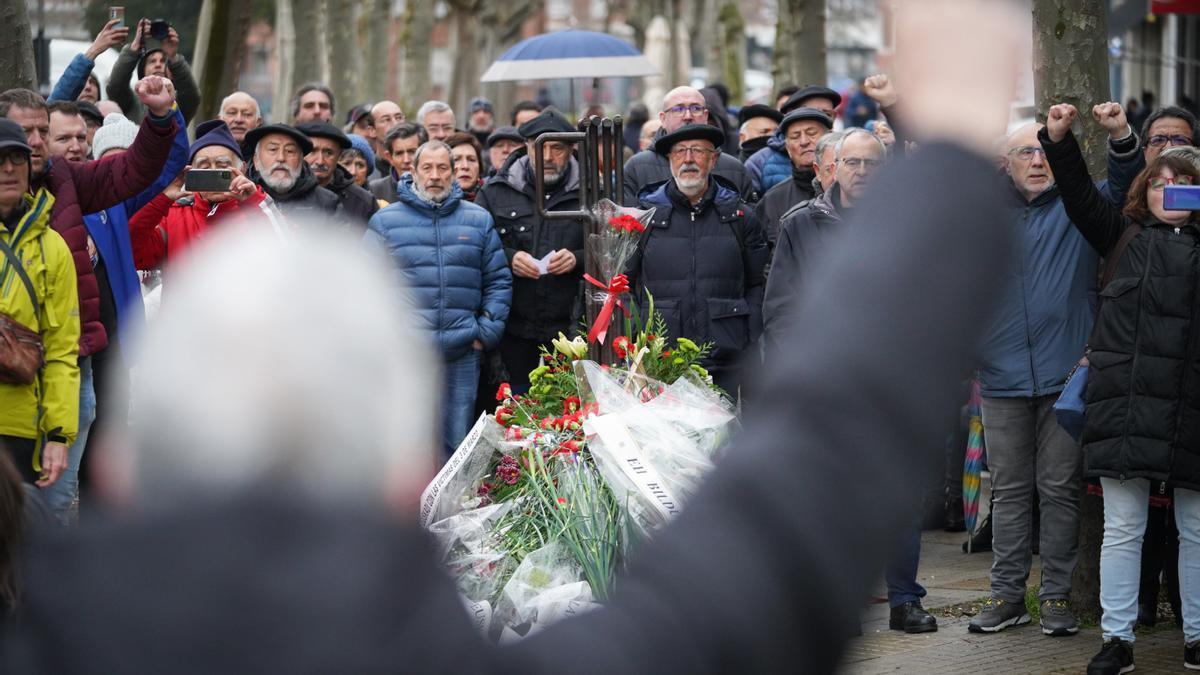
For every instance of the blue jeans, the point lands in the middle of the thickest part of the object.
(60, 496)
(1126, 504)
(458, 404)
(901, 572)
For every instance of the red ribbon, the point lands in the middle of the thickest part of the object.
(618, 285)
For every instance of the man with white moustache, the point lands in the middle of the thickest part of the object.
(278, 165)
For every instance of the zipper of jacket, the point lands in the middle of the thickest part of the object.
(1028, 326)
(695, 290)
(1183, 384)
(1137, 339)
(437, 242)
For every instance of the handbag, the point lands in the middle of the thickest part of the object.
(1069, 408)
(22, 353)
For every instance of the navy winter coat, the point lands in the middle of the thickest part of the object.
(452, 262)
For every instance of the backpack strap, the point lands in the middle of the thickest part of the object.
(1114, 256)
(15, 263)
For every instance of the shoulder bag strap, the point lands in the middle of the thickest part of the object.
(1114, 256)
(15, 263)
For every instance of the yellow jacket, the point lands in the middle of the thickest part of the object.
(49, 408)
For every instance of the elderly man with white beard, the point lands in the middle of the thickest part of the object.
(703, 254)
(278, 165)
(449, 257)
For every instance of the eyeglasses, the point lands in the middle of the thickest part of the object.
(1025, 153)
(1159, 141)
(695, 109)
(855, 163)
(1157, 183)
(17, 158)
(697, 152)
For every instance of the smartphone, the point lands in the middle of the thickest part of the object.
(1181, 198)
(159, 29)
(117, 13)
(208, 180)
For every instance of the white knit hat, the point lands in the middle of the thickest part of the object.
(117, 132)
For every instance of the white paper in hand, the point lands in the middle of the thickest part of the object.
(543, 265)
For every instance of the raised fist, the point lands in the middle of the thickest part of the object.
(1111, 116)
(1059, 120)
(156, 93)
(881, 89)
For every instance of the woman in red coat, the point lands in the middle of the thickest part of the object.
(169, 224)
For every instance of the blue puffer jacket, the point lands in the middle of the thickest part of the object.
(771, 165)
(1041, 327)
(451, 259)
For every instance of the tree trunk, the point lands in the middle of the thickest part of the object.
(220, 43)
(732, 36)
(17, 68)
(800, 43)
(309, 56)
(285, 50)
(464, 76)
(345, 53)
(1071, 66)
(501, 24)
(376, 20)
(415, 83)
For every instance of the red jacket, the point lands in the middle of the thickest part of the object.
(88, 187)
(163, 229)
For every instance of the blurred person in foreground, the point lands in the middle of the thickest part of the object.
(257, 529)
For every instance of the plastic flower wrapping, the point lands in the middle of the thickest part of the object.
(544, 501)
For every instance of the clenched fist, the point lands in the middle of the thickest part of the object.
(1059, 120)
(1111, 116)
(881, 89)
(156, 93)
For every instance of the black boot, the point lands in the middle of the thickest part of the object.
(981, 541)
(954, 515)
(911, 617)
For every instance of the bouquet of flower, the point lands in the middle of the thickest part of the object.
(609, 250)
(536, 510)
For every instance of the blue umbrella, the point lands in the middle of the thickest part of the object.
(569, 54)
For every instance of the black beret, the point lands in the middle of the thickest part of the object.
(805, 114)
(324, 130)
(90, 111)
(255, 135)
(749, 112)
(811, 91)
(689, 132)
(504, 133)
(549, 120)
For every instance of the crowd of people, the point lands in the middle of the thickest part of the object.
(98, 205)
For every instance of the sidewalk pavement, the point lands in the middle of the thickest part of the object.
(955, 582)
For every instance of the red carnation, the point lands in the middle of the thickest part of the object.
(621, 346)
(504, 392)
(571, 404)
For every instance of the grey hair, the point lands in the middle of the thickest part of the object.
(827, 140)
(432, 145)
(238, 390)
(857, 131)
(257, 109)
(1189, 152)
(432, 107)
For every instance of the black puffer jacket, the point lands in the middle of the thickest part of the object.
(804, 232)
(648, 168)
(306, 199)
(355, 204)
(704, 267)
(540, 307)
(781, 198)
(1143, 390)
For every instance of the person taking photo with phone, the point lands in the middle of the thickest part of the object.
(175, 219)
(165, 61)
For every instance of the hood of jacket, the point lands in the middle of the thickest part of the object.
(34, 218)
(777, 142)
(406, 192)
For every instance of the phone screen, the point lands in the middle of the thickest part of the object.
(208, 180)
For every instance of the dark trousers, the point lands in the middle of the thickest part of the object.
(21, 450)
(901, 572)
(520, 355)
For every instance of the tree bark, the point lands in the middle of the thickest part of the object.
(309, 56)
(285, 50)
(17, 68)
(1071, 66)
(415, 83)
(501, 24)
(376, 19)
(464, 76)
(220, 44)
(800, 43)
(732, 36)
(345, 53)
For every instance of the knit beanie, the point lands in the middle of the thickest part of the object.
(117, 132)
(364, 146)
(214, 132)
